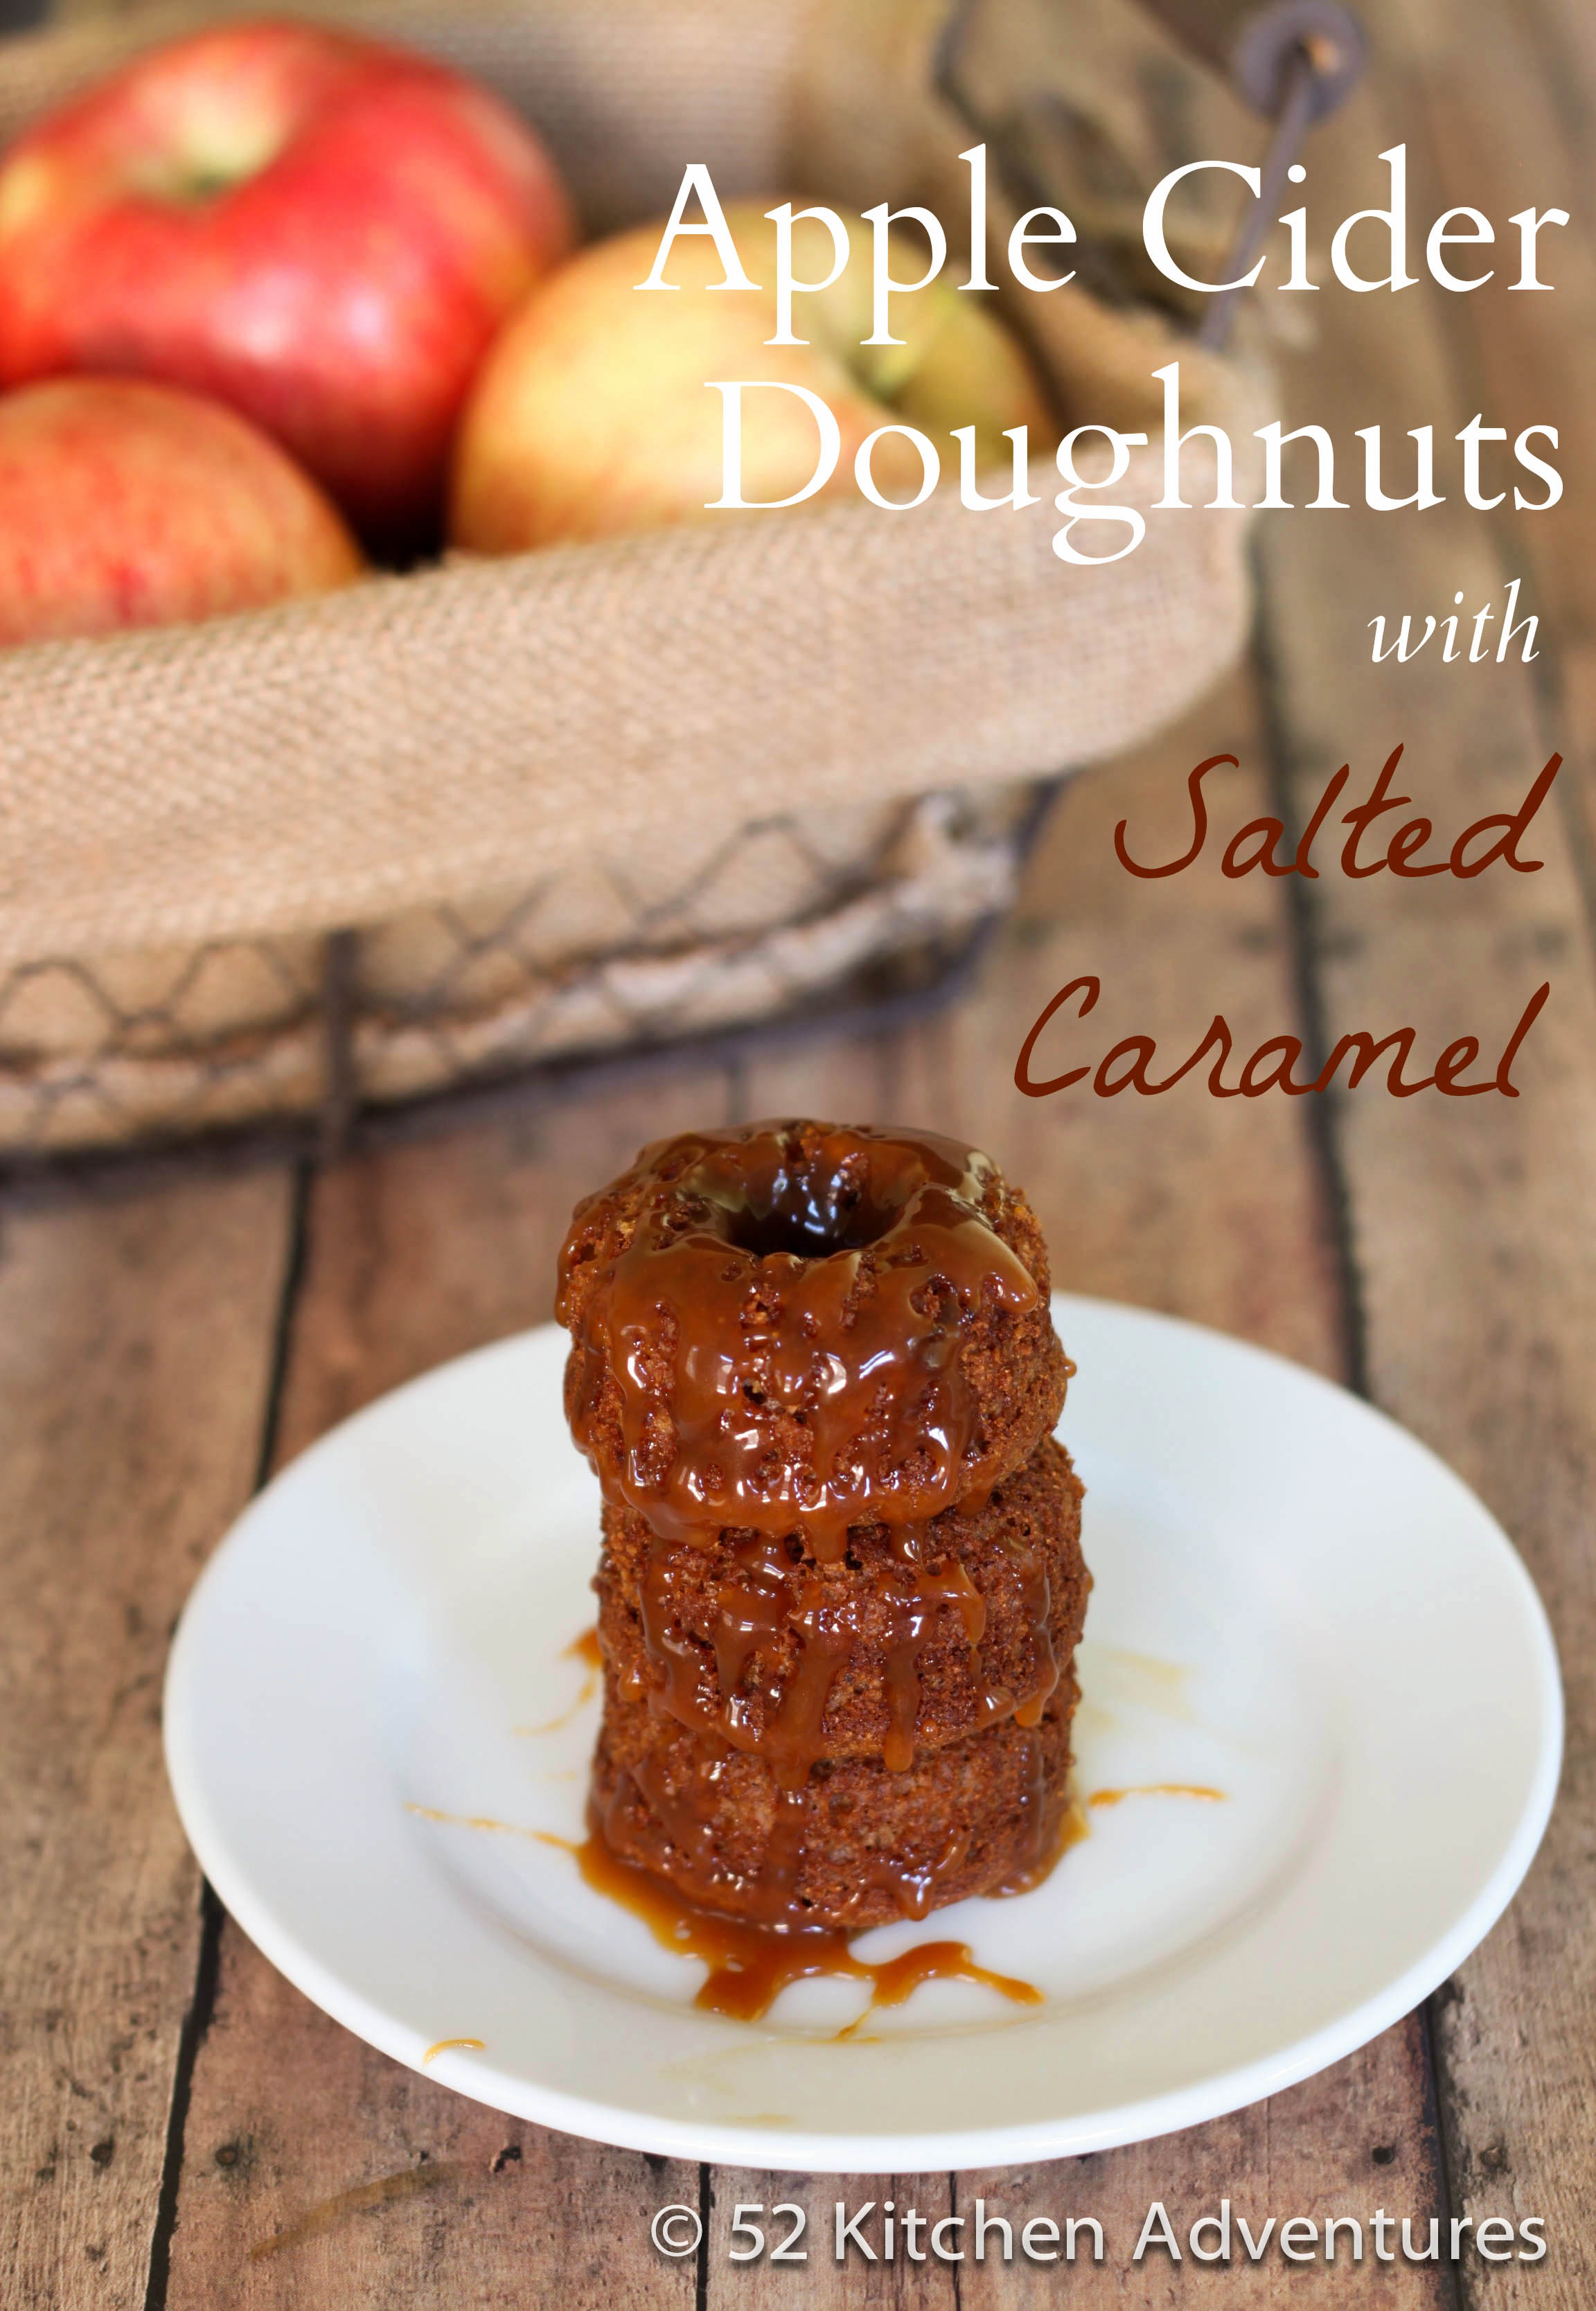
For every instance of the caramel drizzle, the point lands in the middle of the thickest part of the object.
(771, 1899)
(831, 1285)
(769, 1599)
(1074, 1828)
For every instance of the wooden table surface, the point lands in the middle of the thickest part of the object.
(180, 2128)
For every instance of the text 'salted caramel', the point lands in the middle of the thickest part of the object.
(1261, 846)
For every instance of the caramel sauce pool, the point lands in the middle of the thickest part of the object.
(750, 1966)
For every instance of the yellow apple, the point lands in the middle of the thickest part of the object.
(596, 411)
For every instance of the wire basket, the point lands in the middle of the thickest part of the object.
(486, 817)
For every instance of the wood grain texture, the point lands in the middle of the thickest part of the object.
(1356, 2139)
(1472, 1219)
(134, 1339)
(1502, 121)
(135, 1343)
(317, 2173)
(318, 2176)
(864, 2273)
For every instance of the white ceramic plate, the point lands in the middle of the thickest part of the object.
(1295, 1603)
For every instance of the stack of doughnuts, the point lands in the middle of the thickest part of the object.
(842, 1586)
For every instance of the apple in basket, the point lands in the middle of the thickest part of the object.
(124, 503)
(321, 230)
(594, 412)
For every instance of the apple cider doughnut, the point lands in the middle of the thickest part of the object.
(814, 1369)
(874, 1655)
(793, 1328)
(855, 1845)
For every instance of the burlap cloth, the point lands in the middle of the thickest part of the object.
(424, 748)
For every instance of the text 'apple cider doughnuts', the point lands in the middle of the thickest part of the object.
(841, 1585)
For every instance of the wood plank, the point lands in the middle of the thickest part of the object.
(1504, 121)
(137, 1332)
(1472, 1221)
(1358, 2138)
(317, 2172)
(1213, 1209)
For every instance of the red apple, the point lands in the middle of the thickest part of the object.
(320, 231)
(593, 413)
(128, 505)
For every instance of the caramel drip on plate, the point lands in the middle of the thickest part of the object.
(584, 1649)
(490, 1822)
(1155, 1790)
(750, 1966)
(813, 1297)
(442, 2046)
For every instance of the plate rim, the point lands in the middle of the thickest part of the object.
(781, 2149)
